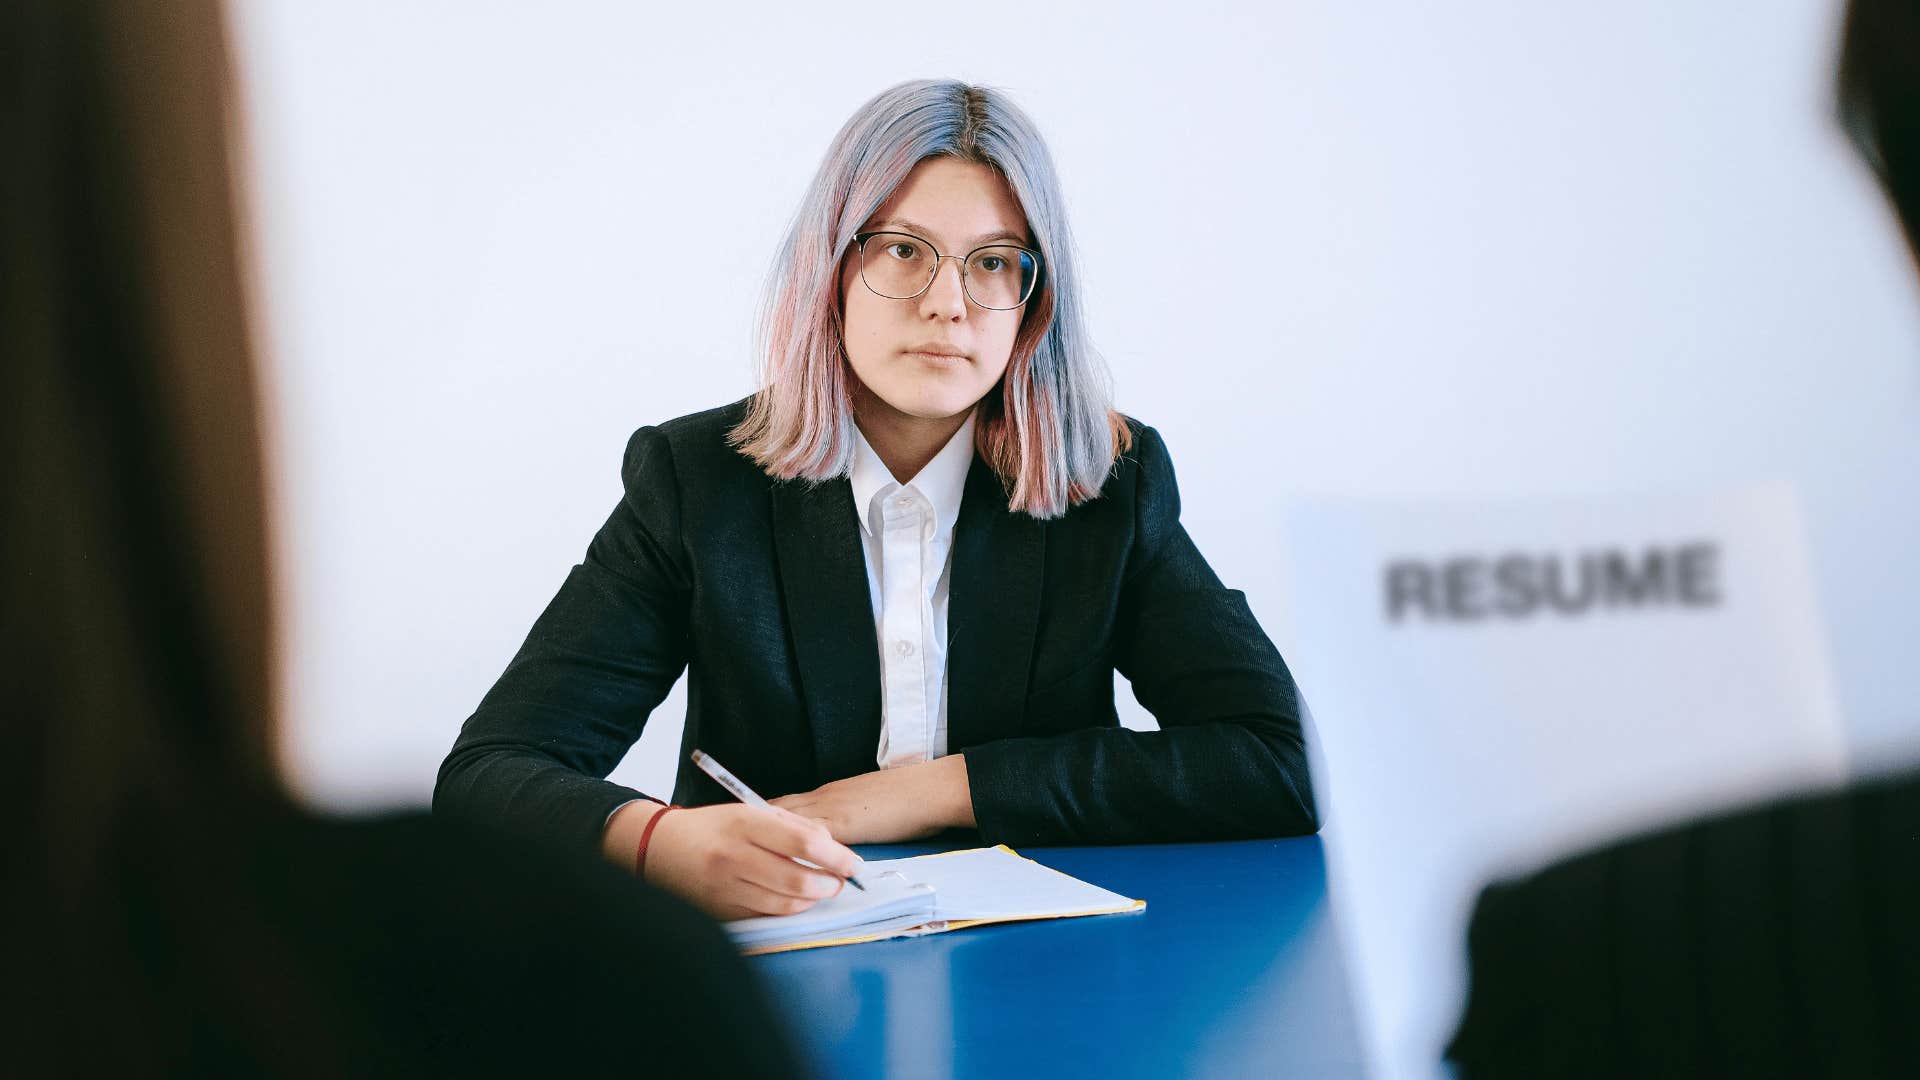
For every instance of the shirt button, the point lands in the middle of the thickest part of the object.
(904, 648)
(903, 501)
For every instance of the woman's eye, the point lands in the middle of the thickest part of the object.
(903, 250)
(992, 264)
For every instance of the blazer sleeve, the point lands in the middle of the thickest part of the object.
(1229, 760)
(533, 758)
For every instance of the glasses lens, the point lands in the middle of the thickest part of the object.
(896, 265)
(1001, 277)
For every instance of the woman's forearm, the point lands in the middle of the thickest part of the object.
(953, 798)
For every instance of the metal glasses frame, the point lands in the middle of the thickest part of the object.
(860, 242)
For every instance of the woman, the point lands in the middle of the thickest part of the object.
(169, 911)
(902, 575)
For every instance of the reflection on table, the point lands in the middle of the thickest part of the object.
(1234, 969)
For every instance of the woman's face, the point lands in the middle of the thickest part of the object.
(934, 356)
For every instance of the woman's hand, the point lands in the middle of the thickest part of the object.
(890, 805)
(735, 861)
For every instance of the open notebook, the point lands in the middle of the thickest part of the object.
(930, 893)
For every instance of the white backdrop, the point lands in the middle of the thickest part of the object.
(1477, 249)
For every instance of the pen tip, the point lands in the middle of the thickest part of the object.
(855, 882)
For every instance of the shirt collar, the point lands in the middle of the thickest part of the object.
(942, 481)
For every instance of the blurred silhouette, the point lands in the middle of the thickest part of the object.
(168, 909)
(1783, 940)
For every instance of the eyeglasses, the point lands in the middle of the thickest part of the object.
(901, 266)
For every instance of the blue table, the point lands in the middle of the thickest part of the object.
(1232, 970)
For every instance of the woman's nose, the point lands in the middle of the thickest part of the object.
(947, 296)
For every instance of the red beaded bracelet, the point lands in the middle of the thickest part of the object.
(646, 834)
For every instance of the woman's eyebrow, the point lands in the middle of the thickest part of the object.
(926, 233)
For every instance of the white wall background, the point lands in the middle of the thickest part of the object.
(1476, 249)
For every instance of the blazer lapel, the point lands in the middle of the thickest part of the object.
(993, 612)
(823, 578)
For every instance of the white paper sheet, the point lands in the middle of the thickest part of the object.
(992, 883)
(889, 898)
(982, 883)
(1470, 732)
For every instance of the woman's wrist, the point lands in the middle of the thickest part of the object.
(646, 838)
(620, 840)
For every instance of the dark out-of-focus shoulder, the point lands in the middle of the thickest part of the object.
(472, 950)
(1777, 939)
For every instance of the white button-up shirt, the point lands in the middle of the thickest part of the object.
(907, 533)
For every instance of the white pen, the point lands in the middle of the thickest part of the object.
(746, 795)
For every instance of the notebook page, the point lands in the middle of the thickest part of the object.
(994, 883)
(890, 896)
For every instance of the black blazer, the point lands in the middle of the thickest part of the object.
(1782, 940)
(758, 589)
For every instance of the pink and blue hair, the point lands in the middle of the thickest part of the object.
(1048, 429)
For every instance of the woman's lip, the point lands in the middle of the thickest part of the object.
(937, 354)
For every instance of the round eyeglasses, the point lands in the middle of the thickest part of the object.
(901, 266)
